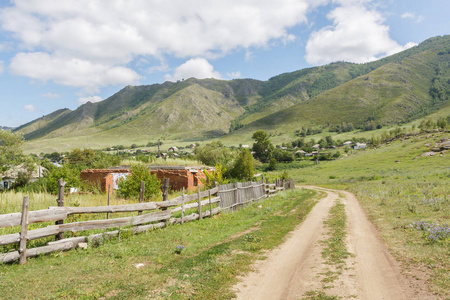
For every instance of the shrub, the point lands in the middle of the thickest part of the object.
(272, 164)
(130, 187)
(243, 167)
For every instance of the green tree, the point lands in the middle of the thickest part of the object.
(215, 153)
(244, 167)
(130, 187)
(10, 149)
(262, 147)
(88, 158)
(69, 174)
(272, 164)
(215, 176)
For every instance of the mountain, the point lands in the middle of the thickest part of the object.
(399, 89)
(393, 90)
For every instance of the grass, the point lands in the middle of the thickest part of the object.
(319, 295)
(397, 188)
(335, 251)
(215, 251)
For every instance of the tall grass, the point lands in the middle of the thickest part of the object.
(214, 251)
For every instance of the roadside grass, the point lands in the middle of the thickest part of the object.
(398, 188)
(335, 251)
(214, 251)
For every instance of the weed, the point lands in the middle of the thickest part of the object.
(319, 295)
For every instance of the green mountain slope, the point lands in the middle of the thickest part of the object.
(397, 92)
(396, 89)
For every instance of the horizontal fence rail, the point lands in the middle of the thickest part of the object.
(228, 197)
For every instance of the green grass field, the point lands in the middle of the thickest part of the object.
(215, 251)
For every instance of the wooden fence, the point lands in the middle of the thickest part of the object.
(228, 197)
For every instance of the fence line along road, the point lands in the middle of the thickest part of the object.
(229, 197)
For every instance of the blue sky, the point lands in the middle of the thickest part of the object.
(60, 54)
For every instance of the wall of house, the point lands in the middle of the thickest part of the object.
(101, 178)
(178, 178)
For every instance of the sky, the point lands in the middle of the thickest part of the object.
(58, 54)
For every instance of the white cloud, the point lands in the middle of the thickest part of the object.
(1, 66)
(90, 44)
(30, 107)
(92, 99)
(199, 68)
(234, 75)
(411, 15)
(50, 95)
(357, 35)
(70, 71)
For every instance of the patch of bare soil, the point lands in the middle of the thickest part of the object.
(296, 267)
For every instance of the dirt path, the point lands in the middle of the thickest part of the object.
(296, 267)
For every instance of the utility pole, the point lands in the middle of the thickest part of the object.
(159, 152)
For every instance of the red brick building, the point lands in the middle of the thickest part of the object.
(179, 176)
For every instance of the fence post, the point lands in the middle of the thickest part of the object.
(24, 232)
(141, 195)
(182, 207)
(166, 189)
(210, 206)
(109, 195)
(236, 196)
(60, 202)
(199, 203)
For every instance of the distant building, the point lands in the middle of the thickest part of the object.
(347, 143)
(173, 149)
(360, 146)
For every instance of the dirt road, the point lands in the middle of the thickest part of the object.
(297, 267)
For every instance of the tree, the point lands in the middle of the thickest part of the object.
(10, 149)
(70, 175)
(214, 153)
(130, 187)
(243, 167)
(272, 164)
(262, 147)
(88, 158)
(215, 176)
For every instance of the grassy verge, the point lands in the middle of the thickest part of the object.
(215, 250)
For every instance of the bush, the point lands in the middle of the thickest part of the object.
(130, 187)
(243, 167)
(272, 164)
(69, 174)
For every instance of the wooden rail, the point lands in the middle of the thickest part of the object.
(228, 197)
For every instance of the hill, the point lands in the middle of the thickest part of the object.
(397, 89)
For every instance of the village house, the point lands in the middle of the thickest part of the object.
(360, 146)
(179, 176)
(347, 143)
(8, 178)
